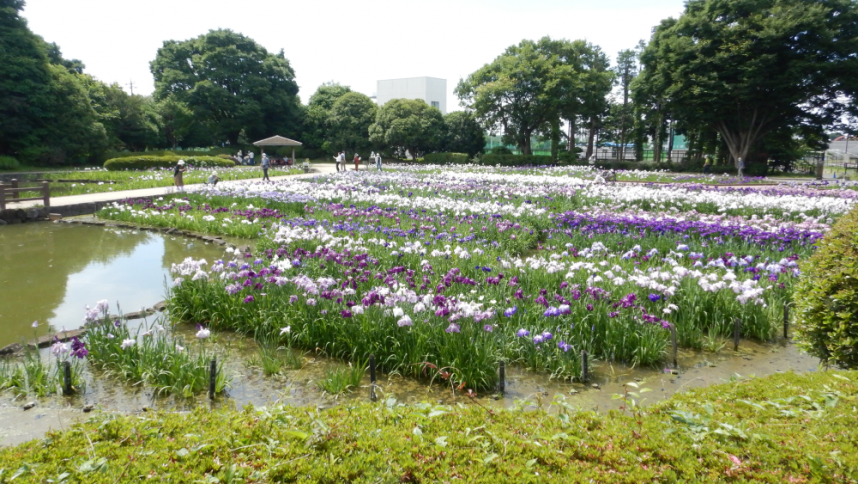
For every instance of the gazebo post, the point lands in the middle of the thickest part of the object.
(293, 155)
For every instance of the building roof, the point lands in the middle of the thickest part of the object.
(277, 141)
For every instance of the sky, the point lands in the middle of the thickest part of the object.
(349, 42)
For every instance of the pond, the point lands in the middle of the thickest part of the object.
(50, 271)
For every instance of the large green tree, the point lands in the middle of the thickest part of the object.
(407, 125)
(231, 83)
(747, 68)
(463, 134)
(349, 120)
(316, 116)
(45, 112)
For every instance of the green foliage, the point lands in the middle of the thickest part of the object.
(782, 428)
(407, 124)
(826, 300)
(164, 161)
(464, 134)
(516, 160)
(8, 163)
(34, 377)
(501, 150)
(349, 120)
(231, 83)
(446, 158)
(343, 380)
(746, 68)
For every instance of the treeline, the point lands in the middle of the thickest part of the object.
(760, 80)
(757, 79)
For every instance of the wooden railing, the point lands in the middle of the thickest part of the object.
(10, 192)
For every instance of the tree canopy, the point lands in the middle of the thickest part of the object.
(349, 119)
(463, 134)
(746, 68)
(408, 125)
(230, 83)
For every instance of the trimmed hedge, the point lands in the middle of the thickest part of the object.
(446, 158)
(826, 299)
(782, 428)
(146, 162)
(516, 160)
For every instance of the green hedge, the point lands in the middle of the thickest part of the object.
(782, 428)
(516, 160)
(145, 162)
(8, 163)
(446, 158)
(826, 299)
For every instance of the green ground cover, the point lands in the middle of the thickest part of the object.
(782, 428)
(100, 181)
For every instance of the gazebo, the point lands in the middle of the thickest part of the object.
(279, 141)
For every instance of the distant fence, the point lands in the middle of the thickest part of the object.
(11, 192)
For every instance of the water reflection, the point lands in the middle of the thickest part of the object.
(48, 272)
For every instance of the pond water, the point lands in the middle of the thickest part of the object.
(49, 271)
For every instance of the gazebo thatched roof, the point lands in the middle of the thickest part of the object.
(277, 141)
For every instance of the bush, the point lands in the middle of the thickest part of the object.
(446, 158)
(8, 163)
(516, 160)
(826, 299)
(145, 162)
(501, 150)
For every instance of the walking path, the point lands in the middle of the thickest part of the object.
(145, 192)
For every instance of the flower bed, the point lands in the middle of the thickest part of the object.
(449, 273)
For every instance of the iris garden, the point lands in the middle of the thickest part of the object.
(447, 272)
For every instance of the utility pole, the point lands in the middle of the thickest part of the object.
(131, 86)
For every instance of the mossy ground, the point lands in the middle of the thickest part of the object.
(783, 428)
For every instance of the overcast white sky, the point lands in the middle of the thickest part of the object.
(352, 42)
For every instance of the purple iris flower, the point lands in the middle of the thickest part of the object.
(654, 297)
(249, 299)
(522, 333)
(453, 328)
(564, 346)
(546, 335)
(510, 311)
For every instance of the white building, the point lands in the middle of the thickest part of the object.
(430, 89)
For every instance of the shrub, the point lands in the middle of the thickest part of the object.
(145, 162)
(500, 150)
(446, 158)
(826, 300)
(516, 160)
(8, 163)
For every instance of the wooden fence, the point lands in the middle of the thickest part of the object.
(11, 192)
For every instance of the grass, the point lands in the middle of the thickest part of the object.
(342, 380)
(35, 377)
(101, 181)
(782, 428)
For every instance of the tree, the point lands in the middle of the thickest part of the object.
(407, 125)
(518, 93)
(231, 83)
(315, 130)
(746, 68)
(463, 134)
(349, 119)
(626, 70)
(45, 112)
(177, 120)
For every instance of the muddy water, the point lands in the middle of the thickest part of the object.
(49, 271)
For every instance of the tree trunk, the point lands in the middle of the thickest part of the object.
(570, 145)
(524, 145)
(670, 142)
(591, 136)
(555, 138)
(623, 119)
(738, 141)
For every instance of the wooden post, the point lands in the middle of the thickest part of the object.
(736, 326)
(46, 193)
(213, 378)
(2, 196)
(15, 195)
(786, 320)
(673, 341)
(372, 395)
(501, 377)
(67, 383)
(584, 376)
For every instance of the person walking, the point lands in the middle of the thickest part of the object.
(707, 165)
(266, 163)
(741, 167)
(357, 161)
(378, 161)
(251, 154)
(337, 160)
(177, 175)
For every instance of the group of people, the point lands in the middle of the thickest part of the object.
(248, 159)
(340, 160)
(178, 176)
